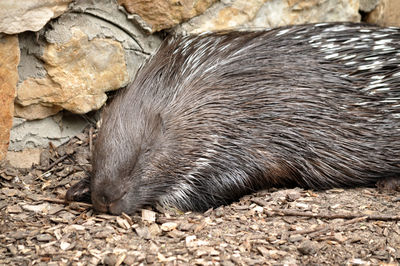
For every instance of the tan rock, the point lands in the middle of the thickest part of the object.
(35, 111)
(25, 158)
(387, 13)
(9, 54)
(368, 5)
(155, 15)
(19, 16)
(39, 90)
(256, 14)
(80, 71)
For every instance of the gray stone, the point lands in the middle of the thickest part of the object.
(368, 5)
(38, 133)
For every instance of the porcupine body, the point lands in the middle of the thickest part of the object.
(215, 116)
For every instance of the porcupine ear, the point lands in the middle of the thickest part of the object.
(156, 129)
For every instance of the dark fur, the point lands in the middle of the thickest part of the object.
(213, 117)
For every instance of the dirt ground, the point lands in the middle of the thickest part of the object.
(274, 227)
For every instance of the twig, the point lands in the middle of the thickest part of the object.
(80, 216)
(286, 212)
(73, 161)
(323, 228)
(61, 201)
(62, 158)
(90, 140)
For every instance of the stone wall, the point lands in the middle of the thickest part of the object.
(60, 58)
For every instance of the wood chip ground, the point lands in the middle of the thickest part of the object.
(273, 227)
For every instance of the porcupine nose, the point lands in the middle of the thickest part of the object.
(108, 200)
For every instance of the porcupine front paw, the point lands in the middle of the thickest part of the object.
(79, 192)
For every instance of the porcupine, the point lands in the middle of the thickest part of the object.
(212, 117)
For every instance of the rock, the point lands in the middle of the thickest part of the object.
(233, 14)
(386, 13)
(25, 158)
(32, 15)
(61, 67)
(9, 54)
(368, 5)
(38, 133)
(308, 247)
(35, 111)
(49, 82)
(78, 77)
(159, 14)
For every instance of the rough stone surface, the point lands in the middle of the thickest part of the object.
(386, 13)
(160, 14)
(38, 133)
(368, 5)
(9, 54)
(254, 14)
(32, 15)
(63, 67)
(35, 111)
(25, 158)
(78, 75)
(92, 33)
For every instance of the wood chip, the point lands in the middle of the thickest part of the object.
(123, 223)
(275, 226)
(14, 209)
(148, 216)
(169, 226)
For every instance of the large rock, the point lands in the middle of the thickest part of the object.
(9, 54)
(35, 111)
(38, 133)
(82, 56)
(387, 13)
(18, 16)
(25, 158)
(70, 64)
(368, 5)
(256, 14)
(80, 71)
(156, 15)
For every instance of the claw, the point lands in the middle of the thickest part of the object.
(79, 192)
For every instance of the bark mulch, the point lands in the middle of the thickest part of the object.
(273, 227)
